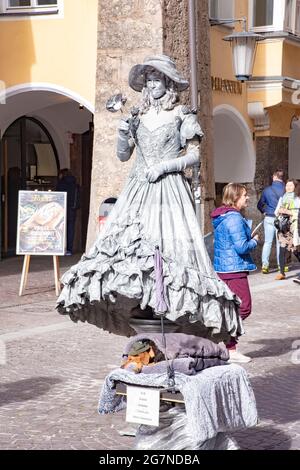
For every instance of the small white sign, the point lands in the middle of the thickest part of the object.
(143, 405)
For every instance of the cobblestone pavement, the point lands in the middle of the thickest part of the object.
(52, 369)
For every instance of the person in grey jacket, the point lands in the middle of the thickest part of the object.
(232, 247)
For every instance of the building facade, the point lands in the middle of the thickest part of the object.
(256, 124)
(47, 94)
(60, 60)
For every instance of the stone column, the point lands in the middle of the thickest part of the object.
(206, 112)
(128, 30)
(176, 44)
(271, 154)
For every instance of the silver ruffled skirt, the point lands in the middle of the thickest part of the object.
(115, 281)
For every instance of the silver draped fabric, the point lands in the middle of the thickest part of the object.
(217, 400)
(116, 279)
(173, 433)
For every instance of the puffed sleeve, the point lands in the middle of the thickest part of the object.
(190, 126)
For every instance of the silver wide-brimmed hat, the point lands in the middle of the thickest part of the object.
(163, 64)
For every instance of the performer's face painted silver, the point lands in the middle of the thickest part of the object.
(156, 84)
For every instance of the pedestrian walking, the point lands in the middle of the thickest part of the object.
(67, 183)
(232, 247)
(267, 205)
(288, 234)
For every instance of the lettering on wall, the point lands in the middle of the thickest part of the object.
(226, 86)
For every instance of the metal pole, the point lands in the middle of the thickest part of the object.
(194, 98)
(193, 54)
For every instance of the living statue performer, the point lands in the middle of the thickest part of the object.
(152, 222)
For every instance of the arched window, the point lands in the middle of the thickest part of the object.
(29, 146)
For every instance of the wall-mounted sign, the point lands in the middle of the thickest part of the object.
(226, 86)
(41, 223)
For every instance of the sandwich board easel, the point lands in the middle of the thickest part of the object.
(41, 230)
(25, 270)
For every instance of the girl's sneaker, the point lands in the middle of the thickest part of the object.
(286, 269)
(235, 356)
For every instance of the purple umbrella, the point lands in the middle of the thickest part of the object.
(161, 304)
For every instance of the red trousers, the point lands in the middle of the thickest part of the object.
(240, 287)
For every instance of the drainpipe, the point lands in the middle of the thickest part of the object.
(194, 98)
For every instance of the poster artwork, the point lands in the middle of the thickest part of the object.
(41, 223)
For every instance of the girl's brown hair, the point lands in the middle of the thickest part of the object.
(291, 181)
(232, 193)
(297, 188)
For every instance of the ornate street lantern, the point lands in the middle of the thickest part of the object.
(243, 53)
(243, 48)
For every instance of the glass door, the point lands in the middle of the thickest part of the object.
(28, 161)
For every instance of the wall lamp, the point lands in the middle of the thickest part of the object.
(243, 47)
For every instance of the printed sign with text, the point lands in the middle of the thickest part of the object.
(41, 223)
(143, 405)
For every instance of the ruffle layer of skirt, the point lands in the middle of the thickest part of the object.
(116, 281)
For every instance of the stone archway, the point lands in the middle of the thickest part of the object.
(66, 118)
(234, 153)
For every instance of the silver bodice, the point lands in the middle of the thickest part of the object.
(162, 143)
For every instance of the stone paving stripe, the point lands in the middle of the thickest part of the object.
(35, 331)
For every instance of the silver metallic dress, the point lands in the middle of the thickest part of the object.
(116, 279)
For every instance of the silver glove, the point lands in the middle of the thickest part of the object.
(175, 165)
(125, 144)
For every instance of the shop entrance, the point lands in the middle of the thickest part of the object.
(29, 161)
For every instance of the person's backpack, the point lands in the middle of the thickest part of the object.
(282, 223)
(77, 197)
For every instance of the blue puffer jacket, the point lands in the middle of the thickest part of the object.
(233, 241)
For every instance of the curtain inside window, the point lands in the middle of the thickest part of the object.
(19, 3)
(288, 14)
(263, 12)
(297, 17)
(213, 9)
(221, 9)
(31, 3)
(41, 3)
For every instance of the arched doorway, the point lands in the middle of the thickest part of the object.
(234, 153)
(67, 119)
(29, 161)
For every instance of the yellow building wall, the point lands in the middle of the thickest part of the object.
(53, 50)
(291, 60)
(275, 57)
(268, 60)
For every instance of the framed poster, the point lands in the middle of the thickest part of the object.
(42, 221)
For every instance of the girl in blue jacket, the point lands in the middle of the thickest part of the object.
(232, 247)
